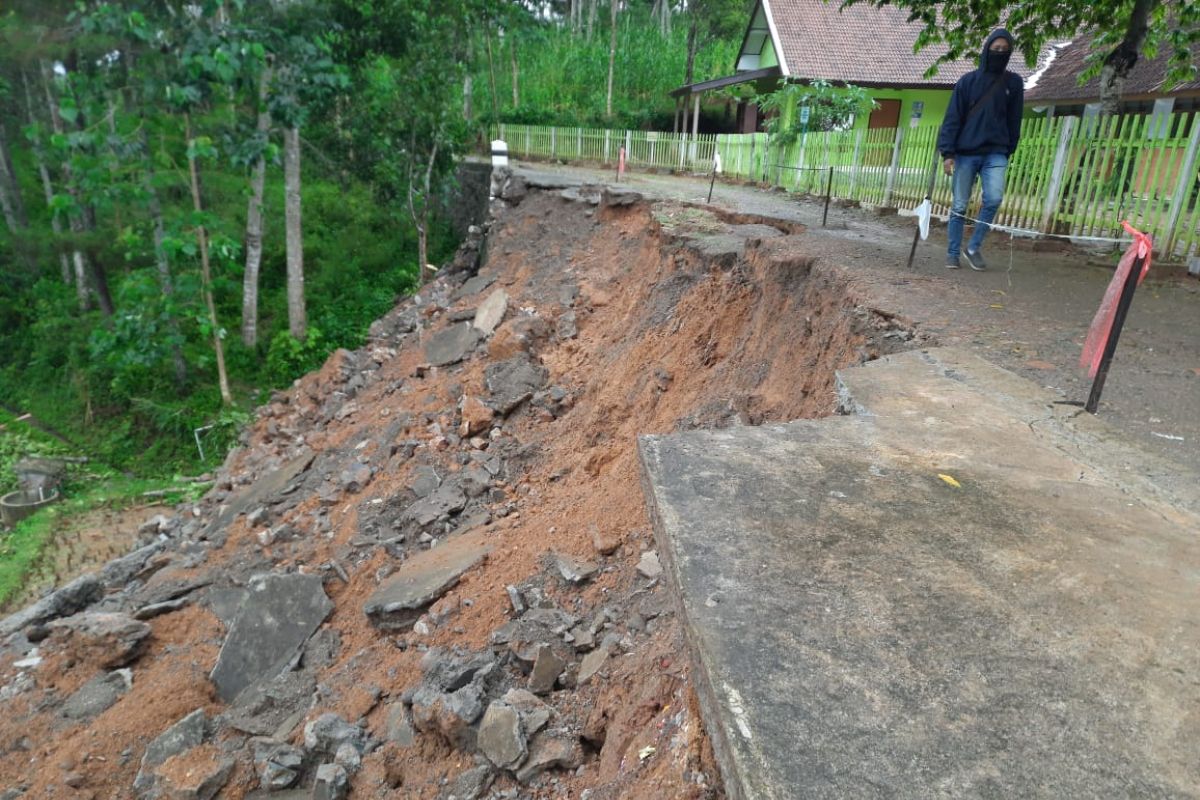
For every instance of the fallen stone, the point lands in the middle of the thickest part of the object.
(70, 599)
(266, 705)
(348, 758)
(399, 727)
(572, 571)
(582, 638)
(451, 345)
(197, 782)
(401, 600)
(158, 609)
(449, 714)
(328, 732)
(550, 751)
(425, 481)
(476, 416)
(356, 477)
(567, 328)
(471, 784)
(449, 498)
(97, 695)
(500, 736)
(474, 285)
(514, 597)
(108, 639)
(649, 566)
(592, 663)
(275, 619)
(281, 767)
(491, 312)
(184, 735)
(514, 381)
(475, 482)
(332, 783)
(546, 669)
(121, 571)
(534, 713)
(605, 543)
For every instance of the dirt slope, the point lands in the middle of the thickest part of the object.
(621, 319)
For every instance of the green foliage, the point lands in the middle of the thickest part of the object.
(829, 108)
(288, 359)
(563, 75)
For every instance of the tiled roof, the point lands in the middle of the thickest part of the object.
(1060, 81)
(869, 46)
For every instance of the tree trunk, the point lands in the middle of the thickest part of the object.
(1120, 62)
(516, 72)
(205, 268)
(10, 190)
(99, 274)
(692, 40)
(487, 37)
(297, 319)
(593, 6)
(47, 186)
(420, 217)
(612, 59)
(78, 258)
(254, 228)
(164, 273)
(468, 89)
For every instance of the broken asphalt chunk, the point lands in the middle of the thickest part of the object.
(401, 600)
(273, 622)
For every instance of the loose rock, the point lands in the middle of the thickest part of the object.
(546, 670)
(649, 566)
(451, 345)
(274, 621)
(401, 600)
(491, 312)
(110, 640)
(500, 736)
(332, 783)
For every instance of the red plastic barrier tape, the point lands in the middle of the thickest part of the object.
(1102, 323)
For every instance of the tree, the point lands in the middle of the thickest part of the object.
(254, 219)
(1123, 32)
(612, 58)
(709, 20)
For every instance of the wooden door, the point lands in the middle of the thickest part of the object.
(886, 116)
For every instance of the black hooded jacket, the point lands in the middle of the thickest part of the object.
(996, 126)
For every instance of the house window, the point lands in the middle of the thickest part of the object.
(1160, 118)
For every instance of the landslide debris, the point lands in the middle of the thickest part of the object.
(427, 568)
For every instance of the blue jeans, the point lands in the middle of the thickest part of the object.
(990, 169)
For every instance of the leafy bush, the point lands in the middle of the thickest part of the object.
(288, 358)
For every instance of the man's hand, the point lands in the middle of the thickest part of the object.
(948, 166)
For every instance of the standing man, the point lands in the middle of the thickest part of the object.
(978, 135)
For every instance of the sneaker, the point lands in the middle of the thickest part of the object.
(952, 263)
(976, 261)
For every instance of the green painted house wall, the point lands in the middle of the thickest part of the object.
(935, 101)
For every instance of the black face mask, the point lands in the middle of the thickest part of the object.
(998, 61)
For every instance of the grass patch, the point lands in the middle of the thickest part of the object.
(23, 548)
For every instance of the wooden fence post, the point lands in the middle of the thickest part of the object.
(1054, 190)
(579, 142)
(628, 147)
(895, 168)
(858, 140)
(606, 134)
(1187, 180)
(528, 143)
(553, 142)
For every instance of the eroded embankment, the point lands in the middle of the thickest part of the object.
(512, 462)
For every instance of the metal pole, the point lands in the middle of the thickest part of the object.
(928, 196)
(828, 194)
(1110, 347)
(712, 181)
